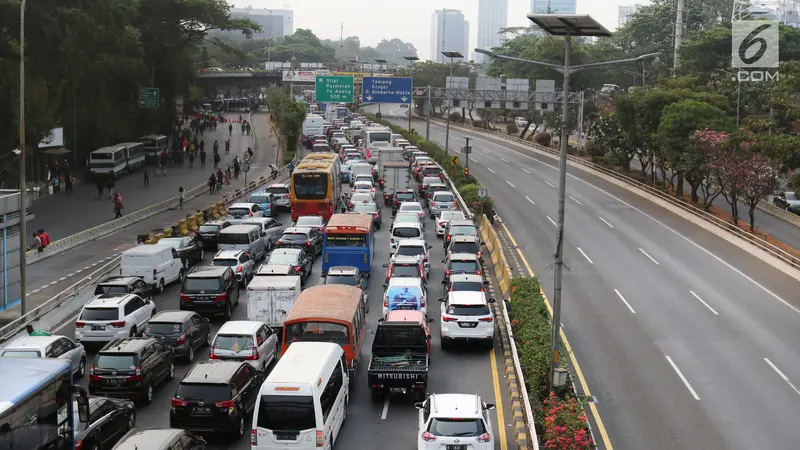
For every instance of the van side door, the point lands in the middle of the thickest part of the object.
(174, 267)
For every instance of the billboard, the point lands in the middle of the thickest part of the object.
(300, 76)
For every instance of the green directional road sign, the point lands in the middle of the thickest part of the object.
(149, 98)
(482, 194)
(334, 89)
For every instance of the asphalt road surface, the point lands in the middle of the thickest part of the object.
(391, 424)
(63, 215)
(685, 340)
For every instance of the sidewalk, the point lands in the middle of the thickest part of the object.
(63, 215)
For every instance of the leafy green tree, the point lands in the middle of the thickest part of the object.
(607, 135)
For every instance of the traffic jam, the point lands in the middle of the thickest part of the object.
(356, 289)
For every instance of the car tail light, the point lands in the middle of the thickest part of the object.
(211, 354)
(138, 376)
(320, 438)
(227, 404)
(155, 275)
(298, 269)
(185, 298)
(254, 356)
(308, 244)
(178, 403)
(447, 273)
(279, 242)
(485, 437)
(448, 319)
(441, 224)
(221, 297)
(427, 437)
(79, 445)
(486, 319)
(118, 324)
(181, 339)
(479, 272)
(238, 268)
(386, 301)
(80, 324)
(254, 437)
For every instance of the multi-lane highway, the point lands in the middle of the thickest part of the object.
(684, 339)
(391, 424)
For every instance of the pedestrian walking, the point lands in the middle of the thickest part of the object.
(219, 180)
(110, 185)
(227, 146)
(191, 159)
(202, 158)
(146, 176)
(243, 127)
(217, 159)
(101, 185)
(248, 128)
(212, 184)
(181, 197)
(228, 175)
(117, 206)
(230, 130)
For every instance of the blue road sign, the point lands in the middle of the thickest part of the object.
(386, 90)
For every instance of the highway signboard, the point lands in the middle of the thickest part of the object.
(334, 89)
(386, 90)
(149, 98)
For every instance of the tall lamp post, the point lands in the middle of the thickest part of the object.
(411, 60)
(452, 56)
(567, 25)
(380, 62)
(735, 77)
(23, 270)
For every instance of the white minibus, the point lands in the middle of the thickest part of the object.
(134, 155)
(108, 161)
(303, 403)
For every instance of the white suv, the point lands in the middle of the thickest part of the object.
(239, 261)
(466, 316)
(403, 231)
(455, 421)
(280, 191)
(106, 318)
(246, 340)
(444, 218)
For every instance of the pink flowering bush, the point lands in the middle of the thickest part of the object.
(565, 424)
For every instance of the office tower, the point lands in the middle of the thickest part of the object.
(626, 13)
(449, 33)
(492, 17)
(274, 22)
(554, 6)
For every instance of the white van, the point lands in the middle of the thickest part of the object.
(157, 265)
(303, 403)
(312, 125)
(243, 237)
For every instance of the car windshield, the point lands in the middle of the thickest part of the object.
(405, 271)
(110, 289)
(370, 208)
(278, 190)
(363, 187)
(410, 207)
(233, 342)
(347, 280)
(405, 197)
(407, 218)
(410, 250)
(164, 328)
(283, 258)
(286, 413)
(206, 392)
(259, 198)
(444, 198)
(209, 228)
(364, 196)
(225, 262)
(194, 285)
(452, 215)
(468, 310)
(464, 247)
(464, 267)
(308, 221)
(464, 230)
(21, 354)
(238, 212)
(115, 362)
(100, 314)
(457, 427)
(468, 286)
(406, 232)
(318, 332)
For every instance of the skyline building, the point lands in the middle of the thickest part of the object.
(492, 17)
(449, 33)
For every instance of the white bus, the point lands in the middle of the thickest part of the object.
(108, 161)
(373, 139)
(134, 154)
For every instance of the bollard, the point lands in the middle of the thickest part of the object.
(212, 212)
(157, 237)
(221, 209)
(182, 230)
(199, 217)
(191, 225)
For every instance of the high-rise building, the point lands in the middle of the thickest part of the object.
(449, 33)
(554, 6)
(274, 22)
(492, 17)
(626, 13)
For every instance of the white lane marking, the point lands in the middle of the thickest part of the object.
(575, 200)
(625, 301)
(526, 171)
(552, 221)
(457, 150)
(651, 258)
(585, 255)
(385, 407)
(62, 278)
(53, 282)
(504, 160)
(509, 183)
(72, 274)
(606, 222)
(36, 290)
(785, 378)
(86, 268)
(490, 170)
(550, 184)
(475, 159)
(529, 199)
(683, 378)
(704, 303)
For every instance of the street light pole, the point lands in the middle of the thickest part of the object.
(23, 271)
(450, 55)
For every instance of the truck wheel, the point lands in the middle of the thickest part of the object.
(376, 395)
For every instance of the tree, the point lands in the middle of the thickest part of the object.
(289, 116)
(724, 157)
(607, 135)
(760, 180)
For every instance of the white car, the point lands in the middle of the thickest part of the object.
(405, 293)
(417, 248)
(106, 318)
(414, 207)
(48, 347)
(458, 421)
(364, 186)
(246, 340)
(467, 317)
(239, 261)
(280, 192)
(240, 211)
(444, 218)
(403, 231)
(407, 217)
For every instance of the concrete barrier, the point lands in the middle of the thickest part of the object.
(780, 213)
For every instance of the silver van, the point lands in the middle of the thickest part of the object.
(243, 237)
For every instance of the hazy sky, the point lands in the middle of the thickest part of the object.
(409, 20)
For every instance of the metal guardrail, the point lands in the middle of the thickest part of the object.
(19, 324)
(767, 247)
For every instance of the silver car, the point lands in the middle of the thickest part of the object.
(49, 347)
(271, 230)
(442, 201)
(281, 193)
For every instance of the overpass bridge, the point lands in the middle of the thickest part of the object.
(211, 82)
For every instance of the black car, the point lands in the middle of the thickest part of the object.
(124, 286)
(190, 249)
(306, 238)
(348, 276)
(209, 232)
(461, 263)
(210, 290)
(216, 396)
(404, 195)
(109, 420)
(160, 439)
(131, 368)
(184, 331)
(300, 260)
(373, 210)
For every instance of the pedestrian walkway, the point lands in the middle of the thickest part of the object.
(63, 215)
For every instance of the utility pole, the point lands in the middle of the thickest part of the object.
(341, 40)
(269, 42)
(23, 268)
(467, 152)
(444, 24)
(428, 108)
(678, 38)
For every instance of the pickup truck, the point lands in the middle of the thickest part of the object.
(400, 355)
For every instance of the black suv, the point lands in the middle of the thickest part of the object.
(184, 331)
(123, 286)
(302, 262)
(131, 368)
(216, 396)
(210, 290)
(209, 232)
(109, 420)
(160, 439)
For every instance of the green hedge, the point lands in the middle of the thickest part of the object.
(467, 185)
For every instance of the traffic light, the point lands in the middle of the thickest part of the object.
(466, 170)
